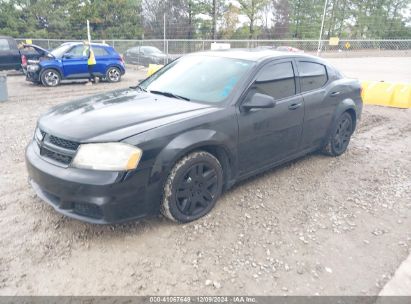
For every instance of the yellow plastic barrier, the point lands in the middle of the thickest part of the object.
(402, 96)
(152, 68)
(388, 94)
(364, 86)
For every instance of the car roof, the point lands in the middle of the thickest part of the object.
(255, 54)
(79, 42)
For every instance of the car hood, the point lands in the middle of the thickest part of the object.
(116, 115)
(40, 50)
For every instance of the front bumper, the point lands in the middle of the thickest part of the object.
(100, 197)
(32, 76)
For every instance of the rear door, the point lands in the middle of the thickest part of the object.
(267, 136)
(76, 66)
(103, 59)
(319, 107)
(10, 58)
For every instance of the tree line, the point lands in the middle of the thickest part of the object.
(205, 19)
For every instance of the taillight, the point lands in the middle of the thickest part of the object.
(122, 59)
(23, 60)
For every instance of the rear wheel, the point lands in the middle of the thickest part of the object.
(113, 74)
(50, 78)
(340, 136)
(192, 188)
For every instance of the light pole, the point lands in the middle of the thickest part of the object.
(164, 39)
(321, 30)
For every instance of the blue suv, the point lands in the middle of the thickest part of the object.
(68, 62)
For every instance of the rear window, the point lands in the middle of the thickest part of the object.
(312, 75)
(99, 51)
(4, 45)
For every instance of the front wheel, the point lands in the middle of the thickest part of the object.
(340, 136)
(113, 74)
(50, 78)
(192, 188)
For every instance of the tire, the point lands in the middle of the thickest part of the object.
(50, 78)
(340, 136)
(192, 187)
(113, 74)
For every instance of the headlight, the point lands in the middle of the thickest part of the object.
(38, 135)
(107, 157)
(32, 68)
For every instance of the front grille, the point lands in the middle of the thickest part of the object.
(61, 158)
(87, 209)
(49, 145)
(67, 144)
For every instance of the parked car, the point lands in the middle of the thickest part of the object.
(289, 49)
(14, 58)
(172, 145)
(68, 62)
(145, 55)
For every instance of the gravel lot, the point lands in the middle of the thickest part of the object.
(318, 225)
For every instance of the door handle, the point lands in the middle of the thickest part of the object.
(333, 94)
(294, 106)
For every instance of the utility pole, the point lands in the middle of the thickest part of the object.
(88, 33)
(164, 37)
(321, 30)
(214, 19)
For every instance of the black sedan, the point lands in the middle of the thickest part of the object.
(193, 129)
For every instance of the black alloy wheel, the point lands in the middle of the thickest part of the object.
(339, 139)
(196, 189)
(193, 187)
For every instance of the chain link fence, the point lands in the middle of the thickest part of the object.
(175, 48)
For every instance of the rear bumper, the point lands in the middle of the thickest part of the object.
(99, 197)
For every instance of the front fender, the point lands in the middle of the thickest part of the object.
(187, 142)
(53, 65)
(176, 149)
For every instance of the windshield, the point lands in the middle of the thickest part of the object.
(201, 78)
(60, 51)
(151, 50)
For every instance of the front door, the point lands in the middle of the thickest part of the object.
(267, 136)
(75, 66)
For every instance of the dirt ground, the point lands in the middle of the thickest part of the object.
(318, 225)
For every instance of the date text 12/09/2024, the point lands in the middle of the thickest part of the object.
(203, 299)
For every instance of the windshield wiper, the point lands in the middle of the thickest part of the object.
(169, 94)
(138, 87)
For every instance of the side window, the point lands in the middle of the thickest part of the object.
(312, 75)
(79, 51)
(99, 51)
(276, 80)
(4, 45)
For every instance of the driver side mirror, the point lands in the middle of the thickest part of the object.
(68, 55)
(259, 101)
